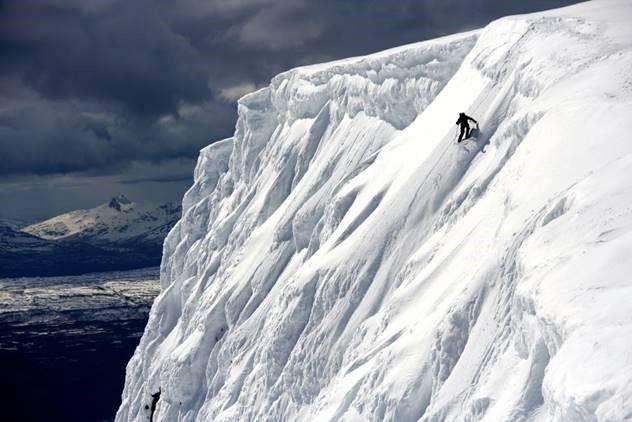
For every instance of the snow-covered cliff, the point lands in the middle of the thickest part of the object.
(343, 258)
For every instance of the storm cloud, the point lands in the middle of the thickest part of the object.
(96, 86)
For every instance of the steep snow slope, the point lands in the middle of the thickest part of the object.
(342, 258)
(118, 220)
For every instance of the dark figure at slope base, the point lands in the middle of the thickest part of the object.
(465, 125)
(154, 400)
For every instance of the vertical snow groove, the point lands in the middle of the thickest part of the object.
(360, 218)
(314, 137)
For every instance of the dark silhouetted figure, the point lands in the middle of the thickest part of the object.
(465, 126)
(154, 400)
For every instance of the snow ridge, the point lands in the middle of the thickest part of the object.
(341, 257)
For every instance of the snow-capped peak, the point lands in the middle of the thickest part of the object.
(120, 203)
(118, 220)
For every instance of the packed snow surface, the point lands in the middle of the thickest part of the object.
(342, 258)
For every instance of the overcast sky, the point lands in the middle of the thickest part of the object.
(101, 97)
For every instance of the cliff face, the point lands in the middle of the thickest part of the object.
(343, 258)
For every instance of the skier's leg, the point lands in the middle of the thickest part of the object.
(462, 133)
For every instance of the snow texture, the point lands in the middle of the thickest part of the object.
(342, 258)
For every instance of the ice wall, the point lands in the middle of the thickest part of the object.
(341, 257)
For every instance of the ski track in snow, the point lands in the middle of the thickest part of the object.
(342, 258)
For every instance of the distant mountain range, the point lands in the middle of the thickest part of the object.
(118, 235)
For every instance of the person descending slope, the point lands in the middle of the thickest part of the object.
(154, 400)
(465, 127)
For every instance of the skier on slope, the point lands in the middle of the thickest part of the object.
(465, 126)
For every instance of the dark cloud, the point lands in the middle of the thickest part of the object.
(95, 86)
(159, 179)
